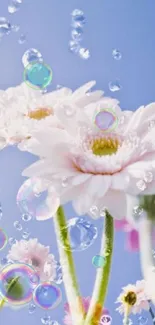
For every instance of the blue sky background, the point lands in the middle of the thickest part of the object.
(127, 25)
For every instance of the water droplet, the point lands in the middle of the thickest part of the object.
(14, 6)
(94, 212)
(26, 217)
(98, 261)
(77, 34)
(22, 39)
(30, 56)
(105, 319)
(78, 18)
(102, 212)
(46, 320)
(74, 46)
(151, 124)
(18, 225)
(4, 261)
(38, 75)
(116, 54)
(121, 120)
(141, 185)
(69, 110)
(15, 28)
(114, 86)
(5, 26)
(59, 277)
(137, 211)
(32, 308)
(64, 182)
(25, 234)
(12, 241)
(82, 234)
(148, 177)
(84, 53)
(142, 320)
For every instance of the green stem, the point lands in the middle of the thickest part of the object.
(68, 268)
(9, 289)
(102, 278)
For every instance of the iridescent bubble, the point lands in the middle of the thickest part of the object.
(47, 295)
(38, 75)
(30, 56)
(15, 284)
(78, 18)
(3, 239)
(105, 120)
(98, 261)
(84, 53)
(30, 203)
(81, 233)
(5, 26)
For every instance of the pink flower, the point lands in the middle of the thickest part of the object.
(132, 242)
(86, 303)
(33, 253)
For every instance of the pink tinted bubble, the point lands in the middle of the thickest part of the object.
(104, 120)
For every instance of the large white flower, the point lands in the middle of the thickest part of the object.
(24, 110)
(94, 168)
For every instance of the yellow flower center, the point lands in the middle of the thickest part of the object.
(130, 298)
(40, 113)
(105, 146)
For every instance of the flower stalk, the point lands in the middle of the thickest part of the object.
(102, 278)
(68, 268)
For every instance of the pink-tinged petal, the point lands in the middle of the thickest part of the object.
(133, 240)
(120, 224)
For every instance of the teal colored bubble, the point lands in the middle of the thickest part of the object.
(38, 75)
(98, 261)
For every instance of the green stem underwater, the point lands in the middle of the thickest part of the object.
(102, 278)
(68, 268)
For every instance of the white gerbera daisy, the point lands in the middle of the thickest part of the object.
(93, 168)
(33, 253)
(133, 299)
(24, 110)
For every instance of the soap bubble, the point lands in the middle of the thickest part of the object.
(38, 75)
(47, 295)
(106, 120)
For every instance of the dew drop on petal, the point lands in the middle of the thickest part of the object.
(64, 182)
(32, 308)
(148, 177)
(82, 234)
(116, 54)
(69, 110)
(84, 53)
(74, 46)
(47, 295)
(18, 225)
(94, 212)
(141, 185)
(5, 26)
(30, 56)
(114, 86)
(151, 124)
(22, 39)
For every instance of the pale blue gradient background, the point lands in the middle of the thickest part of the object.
(128, 25)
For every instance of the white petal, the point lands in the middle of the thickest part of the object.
(82, 90)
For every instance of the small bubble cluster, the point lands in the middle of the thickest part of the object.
(78, 22)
